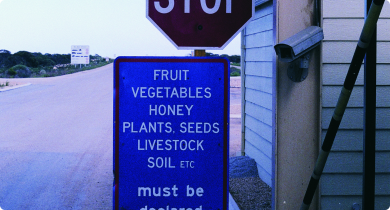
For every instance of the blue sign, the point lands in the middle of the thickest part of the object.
(171, 133)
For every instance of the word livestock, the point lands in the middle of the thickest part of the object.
(168, 144)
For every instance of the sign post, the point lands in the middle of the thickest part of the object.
(171, 132)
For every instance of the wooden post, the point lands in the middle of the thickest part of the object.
(200, 53)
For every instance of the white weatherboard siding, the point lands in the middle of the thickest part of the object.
(258, 90)
(341, 183)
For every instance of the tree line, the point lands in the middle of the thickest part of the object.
(28, 64)
(232, 58)
(33, 60)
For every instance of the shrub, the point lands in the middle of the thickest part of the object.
(35, 70)
(11, 72)
(6, 84)
(20, 71)
(235, 72)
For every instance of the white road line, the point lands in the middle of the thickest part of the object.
(12, 88)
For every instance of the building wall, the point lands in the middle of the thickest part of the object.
(341, 183)
(281, 118)
(298, 107)
(258, 90)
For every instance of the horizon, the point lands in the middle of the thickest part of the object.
(107, 27)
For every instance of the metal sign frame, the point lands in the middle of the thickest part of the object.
(130, 170)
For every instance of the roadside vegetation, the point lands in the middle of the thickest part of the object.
(234, 61)
(25, 64)
(6, 84)
(234, 72)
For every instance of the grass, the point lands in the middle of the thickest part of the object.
(234, 72)
(235, 64)
(4, 85)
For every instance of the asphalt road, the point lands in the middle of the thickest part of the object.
(56, 147)
(56, 143)
(235, 117)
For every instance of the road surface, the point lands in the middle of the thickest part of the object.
(56, 143)
(235, 117)
(56, 147)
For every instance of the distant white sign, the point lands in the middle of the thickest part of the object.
(80, 54)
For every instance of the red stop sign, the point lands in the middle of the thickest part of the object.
(200, 24)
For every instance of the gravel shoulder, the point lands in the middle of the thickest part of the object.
(245, 185)
(250, 193)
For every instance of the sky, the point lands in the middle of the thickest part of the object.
(110, 28)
